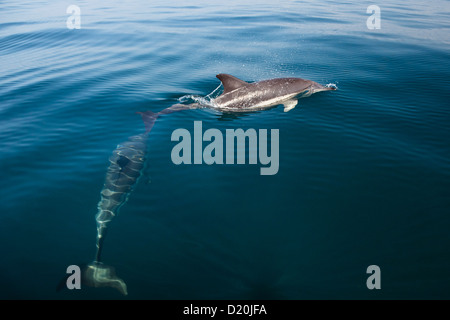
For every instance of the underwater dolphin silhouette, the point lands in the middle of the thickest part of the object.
(125, 168)
(241, 96)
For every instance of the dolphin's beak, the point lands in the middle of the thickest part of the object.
(315, 87)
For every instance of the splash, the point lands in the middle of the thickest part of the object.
(331, 85)
(206, 101)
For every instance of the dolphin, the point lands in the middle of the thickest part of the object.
(127, 160)
(125, 167)
(241, 96)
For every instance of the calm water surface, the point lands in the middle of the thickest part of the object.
(364, 174)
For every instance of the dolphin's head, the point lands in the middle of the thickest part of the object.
(97, 274)
(313, 87)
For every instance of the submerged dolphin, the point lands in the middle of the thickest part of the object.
(126, 164)
(241, 96)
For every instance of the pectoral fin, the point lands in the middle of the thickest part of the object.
(289, 105)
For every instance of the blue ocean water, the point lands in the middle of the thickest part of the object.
(364, 174)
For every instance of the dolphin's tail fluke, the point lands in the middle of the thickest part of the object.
(179, 107)
(316, 87)
(97, 274)
(149, 118)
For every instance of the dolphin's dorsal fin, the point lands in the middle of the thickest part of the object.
(230, 83)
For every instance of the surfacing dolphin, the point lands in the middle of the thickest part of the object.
(241, 96)
(126, 164)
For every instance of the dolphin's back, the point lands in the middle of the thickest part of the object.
(126, 164)
(260, 94)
